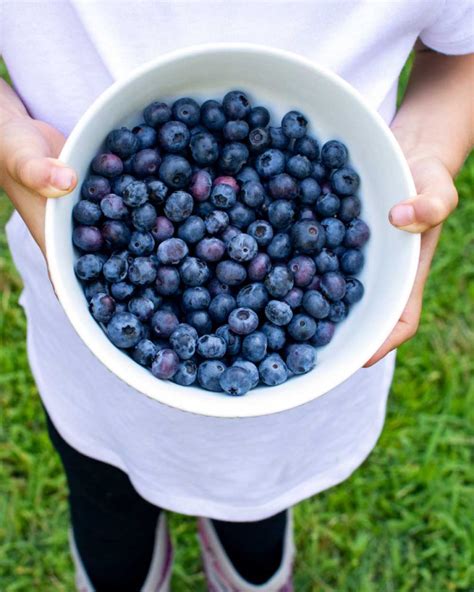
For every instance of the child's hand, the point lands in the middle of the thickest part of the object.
(30, 171)
(437, 197)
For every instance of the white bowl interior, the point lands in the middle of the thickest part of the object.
(281, 81)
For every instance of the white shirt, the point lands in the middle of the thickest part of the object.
(61, 54)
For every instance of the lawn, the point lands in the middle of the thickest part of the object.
(402, 522)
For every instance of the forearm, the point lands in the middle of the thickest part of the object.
(436, 118)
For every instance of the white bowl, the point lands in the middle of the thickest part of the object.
(282, 81)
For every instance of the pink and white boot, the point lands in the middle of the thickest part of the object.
(220, 573)
(159, 574)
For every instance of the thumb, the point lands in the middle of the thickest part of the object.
(45, 175)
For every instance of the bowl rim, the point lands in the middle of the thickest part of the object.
(232, 410)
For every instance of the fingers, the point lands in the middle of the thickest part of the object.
(403, 332)
(44, 175)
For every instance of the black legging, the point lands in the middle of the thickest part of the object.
(114, 528)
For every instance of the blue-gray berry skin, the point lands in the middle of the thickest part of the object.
(258, 117)
(335, 232)
(142, 307)
(216, 221)
(141, 243)
(327, 204)
(95, 287)
(308, 237)
(242, 247)
(88, 267)
(175, 171)
(107, 164)
(294, 124)
(115, 234)
(270, 163)
(333, 285)
(87, 212)
(186, 110)
(87, 238)
(124, 330)
(144, 217)
(209, 373)
(243, 321)
(261, 231)
(259, 139)
(279, 281)
(142, 271)
(210, 249)
(281, 213)
(192, 230)
(307, 146)
(200, 320)
(114, 208)
(278, 312)
(115, 269)
(247, 173)
(204, 148)
(345, 181)
(135, 194)
(179, 206)
(220, 307)
(315, 304)
(146, 162)
(157, 114)
(334, 154)
(357, 234)
(183, 340)
(165, 365)
(354, 291)
(324, 333)
(95, 187)
(302, 327)
(122, 291)
(326, 260)
(173, 136)
(300, 358)
(236, 105)
(254, 296)
(280, 247)
(197, 298)
(352, 261)
(251, 369)
(252, 194)
(186, 374)
(164, 323)
(168, 280)
(276, 336)
(194, 272)
(233, 157)
(211, 346)
(299, 166)
(233, 341)
(349, 209)
(310, 191)
(254, 346)
(235, 381)
(273, 370)
(146, 135)
(213, 116)
(259, 267)
(172, 251)
(144, 352)
(235, 130)
(338, 311)
(102, 307)
(231, 273)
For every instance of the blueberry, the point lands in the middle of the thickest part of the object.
(150, 293)
(307, 146)
(144, 217)
(194, 272)
(273, 370)
(183, 340)
(171, 306)
(294, 124)
(236, 105)
(187, 111)
(211, 346)
(209, 373)
(221, 306)
(299, 166)
(175, 171)
(113, 207)
(87, 238)
(227, 180)
(167, 281)
(146, 136)
(350, 208)
(235, 381)
(142, 271)
(258, 117)
(179, 206)
(276, 336)
(278, 312)
(86, 212)
(338, 312)
(325, 261)
(195, 298)
(107, 165)
(223, 196)
(144, 352)
(165, 365)
(334, 154)
(261, 231)
(241, 216)
(216, 287)
(204, 148)
(308, 236)
(278, 138)
(204, 208)
(216, 221)
(157, 114)
(233, 341)
(93, 288)
(354, 291)
(102, 307)
(142, 307)
(173, 136)
(115, 269)
(294, 297)
(327, 205)
(242, 247)
(259, 267)
(247, 173)
(252, 194)
(352, 261)
(88, 267)
(281, 213)
(335, 231)
(127, 166)
(213, 116)
(315, 283)
(122, 291)
(192, 230)
(146, 162)
(200, 320)
(228, 234)
(303, 268)
(230, 273)
(254, 296)
(300, 358)
(345, 181)
(235, 130)
(164, 323)
(95, 188)
(309, 191)
(279, 281)
(306, 213)
(200, 186)
(124, 330)
(259, 140)
(243, 321)
(315, 304)
(280, 247)
(270, 163)
(251, 368)
(333, 285)
(210, 249)
(283, 186)
(135, 193)
(163, 229)
(172, 251)
(319, 172)
(186, 374)
(233, 157)
(357, 233)
(302, 327)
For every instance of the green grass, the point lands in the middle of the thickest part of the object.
(402, 522)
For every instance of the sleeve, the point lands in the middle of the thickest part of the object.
(452, 32)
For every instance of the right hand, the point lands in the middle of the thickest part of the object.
(30, 171)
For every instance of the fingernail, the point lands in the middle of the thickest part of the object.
(402, 215)
(62, 178)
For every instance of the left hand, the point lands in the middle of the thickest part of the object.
(436, 199)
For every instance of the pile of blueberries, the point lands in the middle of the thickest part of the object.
(217, 249)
